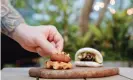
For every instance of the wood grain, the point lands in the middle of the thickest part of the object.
(76, 72)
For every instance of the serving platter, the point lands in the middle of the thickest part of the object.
(75, 72)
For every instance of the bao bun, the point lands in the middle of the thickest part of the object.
(98, 57)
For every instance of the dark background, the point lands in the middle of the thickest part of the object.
(12, 52)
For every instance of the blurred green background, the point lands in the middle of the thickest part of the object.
(106, 25)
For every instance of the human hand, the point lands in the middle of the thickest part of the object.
(44, 40)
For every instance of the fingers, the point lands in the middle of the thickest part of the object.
(58, 46)
(41, 52)
(58, 42)
(53, 44)
(45, 46)
(50, 44)
(54, 36)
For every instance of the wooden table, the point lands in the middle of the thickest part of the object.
(22, 74)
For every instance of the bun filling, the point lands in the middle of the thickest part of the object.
(86, 56)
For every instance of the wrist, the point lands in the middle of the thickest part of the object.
(19, 30)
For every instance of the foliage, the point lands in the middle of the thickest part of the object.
(111, 38)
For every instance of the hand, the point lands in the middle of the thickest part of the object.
(44, 40)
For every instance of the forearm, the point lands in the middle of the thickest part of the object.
(10, 19)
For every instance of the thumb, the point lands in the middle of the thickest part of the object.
(46, 48)
(40, 52)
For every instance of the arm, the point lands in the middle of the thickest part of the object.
(44, 40)
(10, 19)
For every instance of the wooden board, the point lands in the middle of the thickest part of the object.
(76, 72)
(22, 74)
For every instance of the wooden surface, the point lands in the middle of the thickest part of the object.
(22, 74)
(74, 73)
